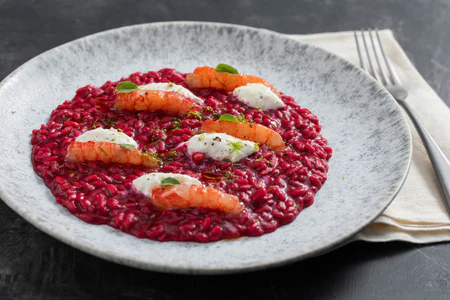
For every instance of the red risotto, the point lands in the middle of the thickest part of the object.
(273, 186)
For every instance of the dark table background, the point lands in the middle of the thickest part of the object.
(36, 266)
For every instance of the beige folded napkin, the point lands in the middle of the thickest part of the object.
(418, 214)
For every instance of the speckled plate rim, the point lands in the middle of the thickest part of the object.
(315, 251)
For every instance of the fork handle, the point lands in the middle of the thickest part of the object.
(439, 162)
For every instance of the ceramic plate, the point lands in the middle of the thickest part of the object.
(364, 126)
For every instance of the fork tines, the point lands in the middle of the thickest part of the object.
(377, 47)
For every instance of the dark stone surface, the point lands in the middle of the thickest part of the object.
(36, 266)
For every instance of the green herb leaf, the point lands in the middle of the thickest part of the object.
(228, 118)
(224, 68)
(256, 147)
(259, 158)
(202, 137)
(235, 146)
(71, 174)
(127, 146)
(169, 181)
(126, 87)
(173, 154)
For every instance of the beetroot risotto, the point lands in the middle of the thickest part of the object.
(168, 156)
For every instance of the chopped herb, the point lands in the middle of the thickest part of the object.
(229, 176)
(242, 118)
(176, 124)
(228, 118)
(259, 158)
(342, 177)
(224, 68)
(255, 146)
(72, 174)
(103, 151)
(88, 67)
(126, 87)
(93, 124)
(208, 108)
(179, 90)
(13, 112)
(110, 122)
(67, 228)
(154, 155)
(202, 137)
(255, 220)
(128, 146)
(113, 140)
(169, 181)
(235, 146)
(195, 114)
(173, 154)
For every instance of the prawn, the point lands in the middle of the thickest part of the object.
(207, 77)
(170, 102)
(247, 131)
(194, 196)
(108, 153)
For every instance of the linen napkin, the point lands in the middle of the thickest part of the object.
(418, 214)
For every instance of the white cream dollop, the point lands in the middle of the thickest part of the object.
(106, 135)
(221, 146)
(147, 182)
(171, 87)
(258, 95)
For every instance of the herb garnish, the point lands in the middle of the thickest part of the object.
(126, 87)
(195, 114)
(235, 146)
(173, 154)
(128, 146)
(110, 122)
(169, 181)
(228, 118)
(176, 124)
(224, 68)
(241, 118)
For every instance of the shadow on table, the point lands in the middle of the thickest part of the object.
(316, 278)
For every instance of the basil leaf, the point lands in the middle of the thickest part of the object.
(224, 68)
(126, 87)
(169, 181)
(128, 146)
(228, 118)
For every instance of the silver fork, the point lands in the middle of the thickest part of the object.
(392, 84)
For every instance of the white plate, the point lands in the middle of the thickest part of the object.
(364, 126)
